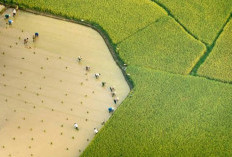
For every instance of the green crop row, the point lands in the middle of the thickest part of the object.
(163, 45)
(218, 64)
(204, 18)
(119, 18)
(168, 115)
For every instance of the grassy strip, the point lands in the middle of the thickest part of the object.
(168, 115)
(207, 17)
(218, 64)
(163, 45)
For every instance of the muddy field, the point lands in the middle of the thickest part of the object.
(44, 90)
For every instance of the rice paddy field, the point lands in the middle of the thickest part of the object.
(44, 90)
(207, 17)
(158, 47)
(170, 111)
(218, 64)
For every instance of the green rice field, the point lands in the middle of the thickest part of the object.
(169, 115)
(203, 18)
(158, 46)
(218, 64)
(169, 112)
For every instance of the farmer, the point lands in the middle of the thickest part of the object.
(113, 94)
(112, 89)
(7, 16)
(87, 68)
(111, 109)
(14, 12)
(36, 34)
(116, 100)
(79, 58)
(95, 130)
(103, 84)
(10, 22)
(97, 75)
(76, 126)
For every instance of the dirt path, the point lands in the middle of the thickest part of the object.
(44, 90)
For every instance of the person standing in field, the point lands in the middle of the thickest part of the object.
(76, 126)
(97, 75)
(36, 34)
(14, 12)
(79, 59)
(112, 89)
(95, 130)
(113, 94)
(10, 22)
(111, 109)
(7, 16)
(116, 100)
(103, 84)
(87, 68)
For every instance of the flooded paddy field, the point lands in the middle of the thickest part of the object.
(44, 90)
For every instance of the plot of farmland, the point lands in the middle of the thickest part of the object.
(119, 18)
(181, 116)
(162, 45)
(204, 18)
(218, 64)
(165, 114)
(44, 90)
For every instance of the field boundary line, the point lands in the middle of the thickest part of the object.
(209, 49)
(139, 30)
(182, 26)
(213, 79)
(199, 76)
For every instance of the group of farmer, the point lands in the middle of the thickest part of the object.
(7, 16)
(10, 22)
(112, 90)
(79, 59)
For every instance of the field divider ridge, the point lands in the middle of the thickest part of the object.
(208, 51)
(172, 16)
(139, 30)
